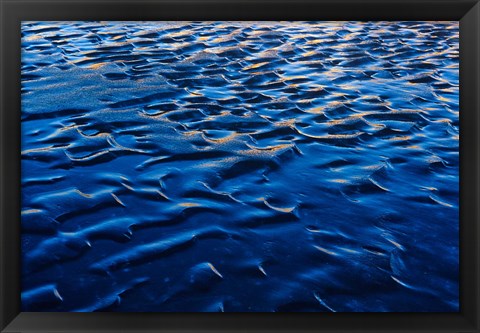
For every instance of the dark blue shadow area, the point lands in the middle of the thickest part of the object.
(240, 166)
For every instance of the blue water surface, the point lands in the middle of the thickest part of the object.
(240, 166)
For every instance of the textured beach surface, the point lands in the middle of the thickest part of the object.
(240, 166)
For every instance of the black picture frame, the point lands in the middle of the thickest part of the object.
(14, 11)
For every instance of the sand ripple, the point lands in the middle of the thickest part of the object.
(229, 166)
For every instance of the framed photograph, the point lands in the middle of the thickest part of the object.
(240, 166)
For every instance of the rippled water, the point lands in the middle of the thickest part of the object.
(240, 166)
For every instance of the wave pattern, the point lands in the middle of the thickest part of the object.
(240, 166)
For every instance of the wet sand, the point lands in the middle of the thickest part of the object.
(240, 166)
